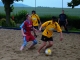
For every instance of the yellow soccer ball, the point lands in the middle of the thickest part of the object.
(48, 52)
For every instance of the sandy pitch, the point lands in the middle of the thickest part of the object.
(11, 40)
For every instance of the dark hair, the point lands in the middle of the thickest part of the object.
(54, 18)
(26, 16)
(34, 11)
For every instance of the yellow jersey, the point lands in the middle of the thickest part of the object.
(50, 27)
(35, 18)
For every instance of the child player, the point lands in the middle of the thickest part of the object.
(36, 20)
(26, 28)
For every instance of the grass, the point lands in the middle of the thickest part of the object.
(74, 30)
(46, 10)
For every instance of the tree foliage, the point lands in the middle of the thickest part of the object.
(8, 6)
(74, 3)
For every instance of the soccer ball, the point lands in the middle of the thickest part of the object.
(48, 52)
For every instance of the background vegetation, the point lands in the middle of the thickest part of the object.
(45, 14)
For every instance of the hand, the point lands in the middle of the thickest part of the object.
(39, 29)
(40, 23)
(36, 30)
(24, 35)
(61, 38)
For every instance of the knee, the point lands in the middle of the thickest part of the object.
(51, 44)
(24, 44)
(35, 42)
(44, 44)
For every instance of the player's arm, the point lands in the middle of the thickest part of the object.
(59, 30)
(43, 25)
(61, 36)
(66, 19)
(38, 19)
(34, 31)
(22, 31)
(59, 19)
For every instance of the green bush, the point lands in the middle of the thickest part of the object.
(2, 15)
(45, 18)
(20, 16)
(12, 23)
(4, 24)
(74, 21)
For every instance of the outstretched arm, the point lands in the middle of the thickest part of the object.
(59, 30)
(43, 25)
(40, 28)
(61, 36)
(34, 31)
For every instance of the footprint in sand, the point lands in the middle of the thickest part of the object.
(13, 59)
(1, 57)
(17, 52)
(78, 58)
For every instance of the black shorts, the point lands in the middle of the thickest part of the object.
(44, 38)
(36, 27)
(62, 23)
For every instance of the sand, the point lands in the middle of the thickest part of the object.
(11, 40)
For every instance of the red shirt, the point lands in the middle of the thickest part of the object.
(28, 27)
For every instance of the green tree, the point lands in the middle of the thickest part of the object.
(74, 3)
(8, 8)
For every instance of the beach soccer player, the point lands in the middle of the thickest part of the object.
(48, 32)
(36, 20)
(26, 28)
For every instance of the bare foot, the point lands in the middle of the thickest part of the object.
(38, 53)
(22, 48)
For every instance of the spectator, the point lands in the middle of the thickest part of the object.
(63, 20)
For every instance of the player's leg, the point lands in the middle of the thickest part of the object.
(33, 44)
(42, 46)
(33, 39)
(44, 39)
(24, 43)
(50, 41)
(49, 45)
(65, 26)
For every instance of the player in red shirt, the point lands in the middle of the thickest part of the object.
(26, 28)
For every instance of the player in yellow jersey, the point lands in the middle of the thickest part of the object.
(35, 20)
(48, 33)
